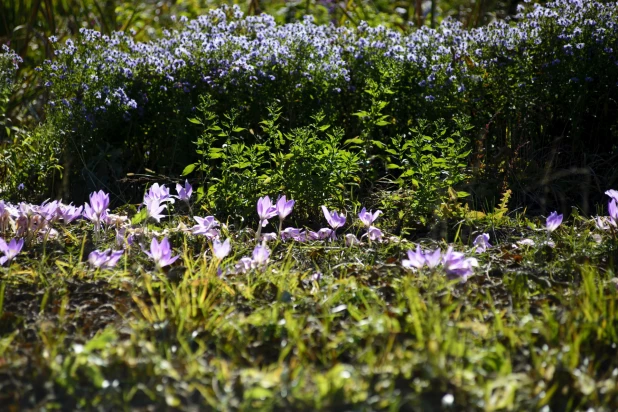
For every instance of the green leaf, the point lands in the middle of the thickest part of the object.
(139, 217)
(190, 168)
(393, 166)
(240, 165)
(355, 140)
(100, 340)
(463, 194)
(258, 393)
(195, 121)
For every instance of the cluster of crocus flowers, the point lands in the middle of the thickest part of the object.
(184, 192)
(367, 218)
(283, 207)
(106, 259)
(28, 221)
(258, 260)
(455, 264)
(97, 209)
(206, 226)
(156, 200)
(611, 221)
(266, 210)
(334, 220)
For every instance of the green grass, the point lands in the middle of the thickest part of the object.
(535, 326)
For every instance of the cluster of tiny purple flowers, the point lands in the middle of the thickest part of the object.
(9, 61)
(224, 49)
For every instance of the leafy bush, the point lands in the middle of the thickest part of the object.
(431, 160)
(30, 165)
(308, 163)
(516, 81)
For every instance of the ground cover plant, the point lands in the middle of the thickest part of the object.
(102, 310)
(241, 211)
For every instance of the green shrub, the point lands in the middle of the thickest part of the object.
(529, 88)
(30, 166)
(308, 164)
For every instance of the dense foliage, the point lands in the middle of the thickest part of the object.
(531, 89)
(186, 299)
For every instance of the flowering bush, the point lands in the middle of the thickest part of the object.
(524, 83)
(9, 62)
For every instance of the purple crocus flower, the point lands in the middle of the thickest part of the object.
(415, 260)
(284, 207)
(161, 253)
(456, 264)
(97, 209)
(160, 192)
(184, 193)
(265, 210)
(294, 234)
(481, 242)
(321, 234)
(10, 250)
(206, 226)
(290, 233)
(105, 259)
(221, 249)
(49, 211)
(120, 237)
(333, 218)
(373, 233)
(553, 221)
(613, 194)
(155, 208)
(267, 237)
(433, 259)
(69, 213)
(244, 265)
(351, 240)
(612, 209)
(367, 217)
(260, 255)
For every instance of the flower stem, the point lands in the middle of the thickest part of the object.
(259, 232)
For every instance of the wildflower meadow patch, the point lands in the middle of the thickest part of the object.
(243, 214)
